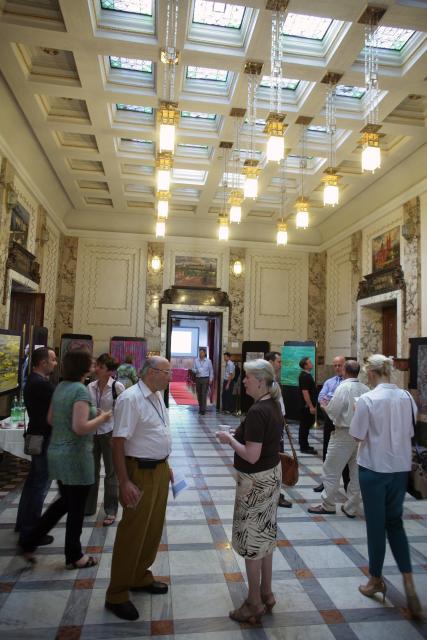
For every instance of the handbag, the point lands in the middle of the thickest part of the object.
(417, 477)
(290, 472)
(33, 444)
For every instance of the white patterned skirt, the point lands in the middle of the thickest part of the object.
(255, 513)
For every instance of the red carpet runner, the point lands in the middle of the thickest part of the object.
(180, 393)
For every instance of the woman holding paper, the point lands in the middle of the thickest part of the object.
(256, 444)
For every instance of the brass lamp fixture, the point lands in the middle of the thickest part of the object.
(223, 231)
(236, 196)
(251, 170)
(302, 218)
(163, 204)
(275, 128)
(330, 180)
(237, 268)
(164, 169)
(371, 152)
(160, 229)
(168, 118)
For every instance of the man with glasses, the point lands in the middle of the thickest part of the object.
(141, 447)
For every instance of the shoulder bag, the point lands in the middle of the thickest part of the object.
(289, 463)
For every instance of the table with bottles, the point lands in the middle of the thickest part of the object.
(12, 431)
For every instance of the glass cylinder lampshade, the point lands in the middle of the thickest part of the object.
(250, 187)
(275, 148)
(160, 229)
(282, 234)
(223, 228)
(163, 179)
(302, 219)
(167, 137)
(331, 192)
(236, 213)
(163, 209)
(371, 154)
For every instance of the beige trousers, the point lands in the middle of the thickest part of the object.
(342, 450)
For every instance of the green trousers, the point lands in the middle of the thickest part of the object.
(139, 532)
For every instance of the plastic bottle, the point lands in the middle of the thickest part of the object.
(14, 413)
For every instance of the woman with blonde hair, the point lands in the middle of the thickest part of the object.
(383, 424)
(256, 445)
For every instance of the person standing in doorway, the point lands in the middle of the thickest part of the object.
(227, 384)
(326, 394)
(275, 359)
(307, 386)
(203, 371)
(38, 393)
(103, 392)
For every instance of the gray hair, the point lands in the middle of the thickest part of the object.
(263, 370)
(352, 367)
(150, 363)
(381, 365)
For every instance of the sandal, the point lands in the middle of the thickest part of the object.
(90, 562)
(269, 600)
(108, 520)
(320, 510)
(248, 613)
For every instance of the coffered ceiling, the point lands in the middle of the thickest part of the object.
(89, 80)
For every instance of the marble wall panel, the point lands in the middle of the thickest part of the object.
(66, 286)
(6, 174)
(236, 293)
(153, 294)
(412, 262)
(356, 277)
(317, 302)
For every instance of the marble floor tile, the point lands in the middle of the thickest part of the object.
(312, 632)
(385, 630)
(345, 594)
(194, 562)
(22, 610)
(187, 533)
(191, 601)
(330, 556)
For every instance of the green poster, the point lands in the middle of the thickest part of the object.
(291, 355)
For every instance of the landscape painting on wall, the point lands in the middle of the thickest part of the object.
(386, 250)
(195, 272)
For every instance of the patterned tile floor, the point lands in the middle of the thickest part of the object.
(318, 565)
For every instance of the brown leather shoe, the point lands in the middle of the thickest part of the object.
(284, 503)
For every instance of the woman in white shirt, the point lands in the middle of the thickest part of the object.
(103, 392)
(383, 424)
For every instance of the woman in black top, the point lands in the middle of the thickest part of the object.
(256, 444)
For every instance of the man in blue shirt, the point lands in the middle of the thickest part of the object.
(203, 371)
(228, 384)
(325, 395)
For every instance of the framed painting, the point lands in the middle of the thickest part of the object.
(195, 272)
(19, 224)
(386, 250)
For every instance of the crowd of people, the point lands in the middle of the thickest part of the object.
(367, 432)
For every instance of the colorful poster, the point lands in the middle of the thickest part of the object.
(291, 355)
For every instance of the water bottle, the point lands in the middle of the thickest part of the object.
(21, 413)
(14, 413)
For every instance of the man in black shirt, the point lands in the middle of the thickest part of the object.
(308, 390)
(37, 396)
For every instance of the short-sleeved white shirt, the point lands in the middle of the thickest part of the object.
(383, 422)
(141, 417)
(105, 401)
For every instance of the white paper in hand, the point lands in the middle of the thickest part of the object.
(179, 485)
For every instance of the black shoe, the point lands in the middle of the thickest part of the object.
(124, 610)
(155, 587)
(284, 503)
(202, 413)
(309, 450)
(319, 488)
(46, 540)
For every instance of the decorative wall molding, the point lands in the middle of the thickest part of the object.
(50, 277)
(338, 301)
(276, 290)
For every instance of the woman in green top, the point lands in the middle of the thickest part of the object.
(126, 373)
(70, 460)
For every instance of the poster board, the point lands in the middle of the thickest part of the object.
(292, 352)
(121, 346)
(10, 347)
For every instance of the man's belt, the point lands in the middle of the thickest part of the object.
(146, 463)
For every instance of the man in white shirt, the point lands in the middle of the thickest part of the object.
(141, 447)
(342, 448)
(203, 371)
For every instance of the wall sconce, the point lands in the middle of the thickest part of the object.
(155, 264)
(44, 236)
(237, 268)
(11, 198)
(409, 231)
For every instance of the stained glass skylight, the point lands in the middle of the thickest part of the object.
(302, 26)
(317, 128)
(184, 145)
(218, 14)
(137, 141)
(345, 91)
(392, 38)
(204, 73)
(142, 7)
(131, 64)
(198, 114)
(287, 83)
(133, 107)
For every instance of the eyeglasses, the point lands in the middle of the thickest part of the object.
(167, 371)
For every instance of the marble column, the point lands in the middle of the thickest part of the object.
(316, 329)
(154, 292)
(412, 262)
(356, 277)
(66, 286)
(236, 294)
(7, 173)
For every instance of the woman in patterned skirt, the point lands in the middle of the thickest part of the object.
(256, 445)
